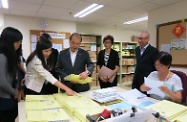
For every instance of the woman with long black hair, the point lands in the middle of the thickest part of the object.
(10, 41)
(37, 73)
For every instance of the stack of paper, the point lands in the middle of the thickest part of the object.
(47, 116)
(168, 109)
(44, 108)
(76, 79)
(105, 95)
(42, 105)
(180, 118)
(78, 106)
(39, 98)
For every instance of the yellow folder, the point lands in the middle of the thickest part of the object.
(76, 79)
(168, 109)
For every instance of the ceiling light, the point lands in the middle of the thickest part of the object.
(5, 3)
(136, 20)
(88, 10)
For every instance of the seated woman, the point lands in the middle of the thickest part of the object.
(172, 83)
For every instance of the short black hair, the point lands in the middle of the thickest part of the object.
(75, 34)
(108, 37)
(164, 58)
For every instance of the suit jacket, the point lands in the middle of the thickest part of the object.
(64, 66)
(144, 65)
(36, 75)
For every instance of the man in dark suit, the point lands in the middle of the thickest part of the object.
(74, 60)
(145, 56)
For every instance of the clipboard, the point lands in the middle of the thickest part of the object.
(105, 71)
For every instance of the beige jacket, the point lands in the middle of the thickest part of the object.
(36, 75)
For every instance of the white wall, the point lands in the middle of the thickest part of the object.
(119, 35)
(25, 24)
(164, 15)
(1, 22)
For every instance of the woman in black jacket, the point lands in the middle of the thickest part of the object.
(109, 58)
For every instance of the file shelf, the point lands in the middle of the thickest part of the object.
(127, 60)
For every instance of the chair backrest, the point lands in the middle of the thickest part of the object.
(183, 77)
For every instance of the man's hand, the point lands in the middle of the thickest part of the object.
(83, 75)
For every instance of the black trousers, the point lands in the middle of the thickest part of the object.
(9, 115)
(107, 84)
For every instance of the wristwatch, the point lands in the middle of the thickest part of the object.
(88, 73)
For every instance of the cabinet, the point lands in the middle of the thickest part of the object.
(127, 63)
(92, 44)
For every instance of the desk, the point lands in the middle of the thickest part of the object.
(88, 94)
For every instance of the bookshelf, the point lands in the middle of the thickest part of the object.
(127, 60)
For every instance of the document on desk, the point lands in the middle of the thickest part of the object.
(143, 102)
(181, 118)
(168, 109)
(39, 98)
(154, 85)
(121, 105)
(47, 116)
(132, 94)
(42, 105)
(104, 72)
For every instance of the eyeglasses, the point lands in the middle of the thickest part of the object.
(107, 43)
(141, 38)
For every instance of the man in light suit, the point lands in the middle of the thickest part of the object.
(145, 58)
(74, 60)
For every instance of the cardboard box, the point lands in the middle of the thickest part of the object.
(89, 39)
(87, 48)
(85, 38)
(87, 45)
(130, 61)
(124, 69)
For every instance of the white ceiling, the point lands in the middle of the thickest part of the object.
(112, 15)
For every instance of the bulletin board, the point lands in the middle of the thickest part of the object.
(58, 40)
(172, 36)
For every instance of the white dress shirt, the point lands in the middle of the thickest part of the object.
(73, 57)
(142, 49)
